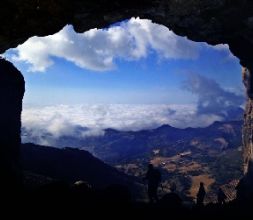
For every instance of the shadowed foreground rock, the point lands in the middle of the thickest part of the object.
(115, 201)
(11, 95)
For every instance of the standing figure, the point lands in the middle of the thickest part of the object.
(201, 194)
(153, 176)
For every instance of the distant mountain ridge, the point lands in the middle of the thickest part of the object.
(116, 145)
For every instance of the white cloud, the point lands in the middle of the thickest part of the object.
(63, 120)
(212, 98)
(97, 49)
(222, 47)
(225, 48)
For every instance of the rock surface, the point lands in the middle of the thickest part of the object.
(212, 21)
(11, 95)
(248, 135)
(245, 189)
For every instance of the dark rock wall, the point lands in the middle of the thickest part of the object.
(248, 120)
(248, 135)
(245, 188)
(211, 21)
(11, 95)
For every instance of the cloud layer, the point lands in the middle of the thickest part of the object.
(97, 49)
(64, 120)
(212, 98)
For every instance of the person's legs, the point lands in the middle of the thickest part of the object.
(150, 196)
(152, 193)
(155, 194)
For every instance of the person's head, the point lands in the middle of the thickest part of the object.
(201, 184)
(150, 166)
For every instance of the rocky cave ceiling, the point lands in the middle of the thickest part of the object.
(211, 21)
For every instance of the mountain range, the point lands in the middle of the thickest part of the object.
(184, 156)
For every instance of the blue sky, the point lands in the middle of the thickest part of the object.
(145, 81)
(151, 78)
(112, 77)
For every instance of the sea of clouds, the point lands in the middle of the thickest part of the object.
(62, 120)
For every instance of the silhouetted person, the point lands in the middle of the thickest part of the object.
(221, 197)
(201, 194)
(154, 178)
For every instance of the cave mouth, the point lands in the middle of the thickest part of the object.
(108, 50)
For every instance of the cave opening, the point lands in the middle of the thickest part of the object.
(170, 85)
(215, 22)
